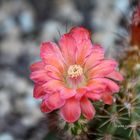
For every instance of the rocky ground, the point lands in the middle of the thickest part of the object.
(23, 26)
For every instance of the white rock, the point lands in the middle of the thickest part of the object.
(6, 136)
(51, 30)
(5, 106)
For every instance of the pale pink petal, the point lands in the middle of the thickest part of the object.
(55, 101)
(115, 75)
(68, 48)
(37, 66)
(96, 55)
(87, 108)
(94, 96)
(107, 98)
(80, 93)
(67, 93)
(71, 111)
(53, 72)
(44, 107)
(51, 55)
(82, 90)
(83, 50)
(50, 48)
(80, 33)
(83, 43)
(53, 85)
(54, 61)
(78, 96)
(104, 68)
(39, 76)
(38, 91)
(110, 85)
(95, 86)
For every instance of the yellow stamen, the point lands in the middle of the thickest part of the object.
(75, 71)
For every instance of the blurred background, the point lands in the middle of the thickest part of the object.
(24, 24)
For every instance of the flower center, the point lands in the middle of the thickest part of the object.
(75, 71)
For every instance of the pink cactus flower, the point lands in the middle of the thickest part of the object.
(72, 74)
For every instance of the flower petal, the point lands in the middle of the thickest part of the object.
(104, 68)
(54, 61)
(53, 85)
(115, 75)
(68, 48)
(83, 50)
(55, 101)
(50, 48)
(109, 84)
(97, 54)
(80, 33)
(80, 93)
(39, 76)
(53, 72)
(95, 86)
(71, 111)
(83, 43)
(44, 107)
(87, 108)
(67, 93)
(38, 91)
(37, 66)
(51, 55)
(107, 98)
(94, 96)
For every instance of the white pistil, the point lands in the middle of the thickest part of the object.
(75, 71)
